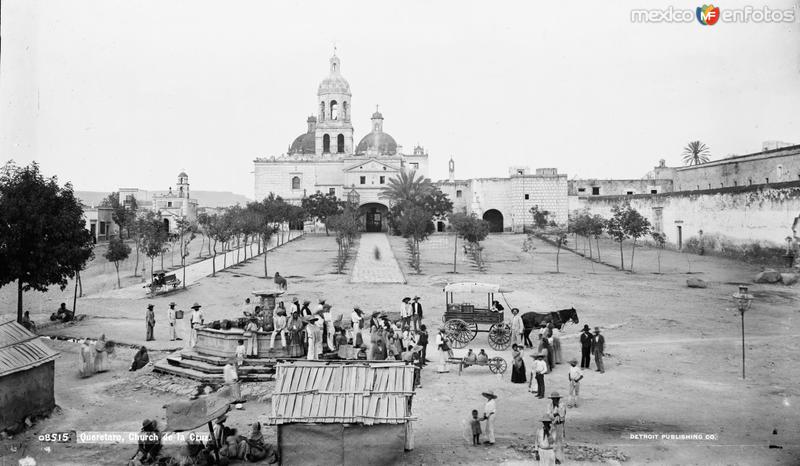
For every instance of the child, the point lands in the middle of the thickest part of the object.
(575, 376)
(241, 351)
(475, 423)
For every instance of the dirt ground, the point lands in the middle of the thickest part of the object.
(673, 363)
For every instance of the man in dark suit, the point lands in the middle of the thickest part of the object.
(416, 313)
(586, 347)
(598, 346)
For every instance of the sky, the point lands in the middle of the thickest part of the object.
(108, 94)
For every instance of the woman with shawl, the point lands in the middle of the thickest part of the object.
(101, 354)
(517, 365)
(294, 328)
(86, 367)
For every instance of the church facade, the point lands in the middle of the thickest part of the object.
(326, 159)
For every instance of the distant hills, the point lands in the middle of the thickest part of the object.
(204, 198)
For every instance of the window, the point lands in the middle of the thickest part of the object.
(653, 191)
(520, 172)
(383, 180)
(527, 196)
(581, 190)
(340, 144)
(595, 190)
(458, 193)
(767, 180)
(629, 193)
(322, 111)
(414, 165)
(334, 110)
(332, 191)
(363, 180)
(326, 144)
(344, 111)
(102, 228)
(296, 182)
(169, 204)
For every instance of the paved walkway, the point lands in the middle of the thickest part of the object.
(195, 272)
(368, 269)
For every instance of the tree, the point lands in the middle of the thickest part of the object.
(186, 233)
(696, 153)
(123, 215)
(416, 225)
(529, 245)
(218, 232)
(322, 206)
(541, 218)
(346, 227)
(636, 225)
(406, 190)
(561, 239)
(471, 229)
(117, 252)
(595, 227)
(43, 236)
(660, 239)
(615, 226)
(154, 236)
(202, 229)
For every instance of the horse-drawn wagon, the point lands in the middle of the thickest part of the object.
(461, 320)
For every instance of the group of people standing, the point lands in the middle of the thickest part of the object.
(94, 356)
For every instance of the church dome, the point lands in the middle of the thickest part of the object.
(377, 141)
(303, 144)
(182, 175)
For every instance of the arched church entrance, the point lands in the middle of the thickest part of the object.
(374, 215)
(166, 224)
(495, 219)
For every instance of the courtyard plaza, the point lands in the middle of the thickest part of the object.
(673, 356)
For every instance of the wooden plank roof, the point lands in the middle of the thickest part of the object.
(21, 349)
(331, 392)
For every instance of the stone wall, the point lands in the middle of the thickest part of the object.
(769, 167)
(743, 215)
(26, 393)
(587, 187)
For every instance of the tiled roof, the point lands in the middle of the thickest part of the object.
(21, 349)
(332, 392)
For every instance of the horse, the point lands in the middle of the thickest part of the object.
(532, 320)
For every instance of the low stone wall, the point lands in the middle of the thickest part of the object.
(223, 343)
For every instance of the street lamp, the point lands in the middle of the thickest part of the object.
(743, 302)
(353, 198)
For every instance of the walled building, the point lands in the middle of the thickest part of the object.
(172, 205)
(506, 202)
(740, 201)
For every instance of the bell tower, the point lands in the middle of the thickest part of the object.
(183, 185)
(334, 130)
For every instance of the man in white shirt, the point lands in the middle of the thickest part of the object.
(575, 376)
(517, 327)
(355, 321)
(539, 370)
(196, 321)
(173, 335)
(247, 308)
(405, 311)
(327, 317)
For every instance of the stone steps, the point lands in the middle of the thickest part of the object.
(209, 369)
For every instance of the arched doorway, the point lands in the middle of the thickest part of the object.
(374, 215)
(166, 224)
(440, 227)
(495, 219)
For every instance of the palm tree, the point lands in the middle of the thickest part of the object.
(406, 186)
(695, 153)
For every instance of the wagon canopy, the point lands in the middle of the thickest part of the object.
(475, 287)
(269, 292)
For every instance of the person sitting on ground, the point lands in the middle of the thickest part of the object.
(256, 447)
(140, 360)
(27, 322)
(63, 314)
(482, 358)
(470, 359)
(149, 442)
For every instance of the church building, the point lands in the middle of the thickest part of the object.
(325, 159)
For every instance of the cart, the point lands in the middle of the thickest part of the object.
(162, 280)
(461, 320)
(496, 365)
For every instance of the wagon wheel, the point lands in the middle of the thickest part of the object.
(499, 336)
(458, 332)
(497, 365)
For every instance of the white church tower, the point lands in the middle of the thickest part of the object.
(334, 131)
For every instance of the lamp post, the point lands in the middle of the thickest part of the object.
(743, 302)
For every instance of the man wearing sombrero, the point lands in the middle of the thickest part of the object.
(489, 414)
(173, 329)
(545, 442)
(558, 412)
(586, 346)
(196, 321)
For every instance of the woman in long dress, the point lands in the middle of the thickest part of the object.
(100, 355)
(86, 367)
(442, 346)
(294, 328)
(517, 365)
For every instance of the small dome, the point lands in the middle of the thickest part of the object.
(183, 175)
(377, 115)
(377, 141)
(311, 119)
(335, 82)
(303, 144)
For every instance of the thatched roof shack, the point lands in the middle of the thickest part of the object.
(340, 412)
(27, 372)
